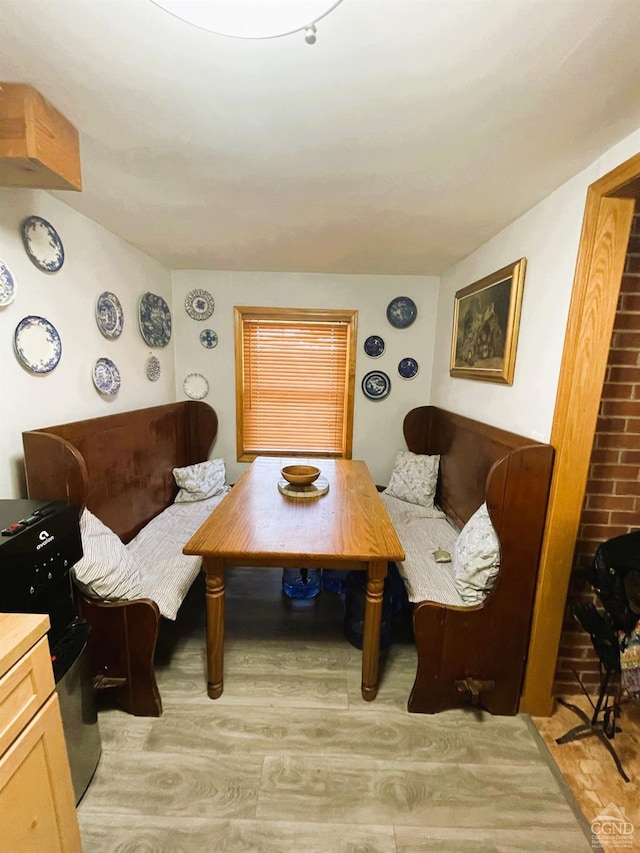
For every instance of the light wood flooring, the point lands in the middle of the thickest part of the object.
(291, 758)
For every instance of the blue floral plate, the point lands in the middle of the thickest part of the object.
(7, 285)
(401, 312)
(376, 385)
(42, 243)
(37, 344)
(155, 320)
(106, 377)
(109, 315)
(208, 338)
(199, 304)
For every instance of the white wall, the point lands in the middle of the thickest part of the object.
(548, 236)
(95, 261)
(377, 424)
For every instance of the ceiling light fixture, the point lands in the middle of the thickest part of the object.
(252, 19)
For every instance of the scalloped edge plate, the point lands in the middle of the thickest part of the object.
(37, 344)
(106, 377)
(42, 243)
(109, 315)
(196, 386)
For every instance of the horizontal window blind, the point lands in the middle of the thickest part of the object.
(295, 384)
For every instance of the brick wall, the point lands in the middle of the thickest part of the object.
(612, 500)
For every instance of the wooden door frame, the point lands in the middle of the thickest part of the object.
(596, 286)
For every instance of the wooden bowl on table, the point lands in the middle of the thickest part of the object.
(300, 475)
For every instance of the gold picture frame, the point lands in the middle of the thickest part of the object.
(486, 321)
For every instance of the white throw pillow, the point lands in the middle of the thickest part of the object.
(414, 478)
(476, 559)
(107, 570)
(200, 481)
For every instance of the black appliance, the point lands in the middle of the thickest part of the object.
(39, 543)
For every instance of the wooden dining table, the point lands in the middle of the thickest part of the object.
(257, 525)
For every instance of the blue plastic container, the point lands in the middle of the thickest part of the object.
(301, 583)
(334, 580)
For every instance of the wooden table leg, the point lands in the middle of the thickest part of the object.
(372, 620)
(214, 569)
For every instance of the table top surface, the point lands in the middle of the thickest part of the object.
(349, 523)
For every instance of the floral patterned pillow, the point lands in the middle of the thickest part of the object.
(476, 560)
(200, 481)
(414, 478)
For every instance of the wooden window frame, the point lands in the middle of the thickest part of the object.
(243, 314)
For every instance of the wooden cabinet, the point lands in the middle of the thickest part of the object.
(37, 804)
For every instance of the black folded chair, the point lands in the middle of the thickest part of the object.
(615, 577)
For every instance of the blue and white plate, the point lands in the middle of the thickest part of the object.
(109, 315)
(374, 346)
(43, 244)
(199, 304)
(401, 312)
(37, 344)
(153, 368)
(196, 386)
(155, 320)
(106, 377)
(208, 338)
(7, 285)
(408, 368)
(376, 385)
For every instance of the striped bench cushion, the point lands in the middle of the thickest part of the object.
(166, 574)
(421, 532)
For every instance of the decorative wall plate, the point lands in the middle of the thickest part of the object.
(407, 368)
(153, 368)
(401, 312)
(155, 320)
(199, 304)
(196, 386)
(7, 285)
(109, 315)
(42, 243)
(374, 346)
(37, 344)
(208, 338)
(106, 377)
(376, 385)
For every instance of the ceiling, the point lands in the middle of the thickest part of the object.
(408, 135)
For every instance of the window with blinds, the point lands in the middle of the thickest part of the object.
(294, 381)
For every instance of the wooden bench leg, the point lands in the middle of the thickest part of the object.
(121, 648)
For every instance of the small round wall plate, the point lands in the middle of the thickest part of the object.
(37, 344)
(401, 312)
(42, 243)
(196, 386)
(408, 368)
(374, 346)
(376, 385)
(155, 320)
(199, 304)
(106, 377)
(208, 338)
(109, 315)
(153, 368)
(7, 285)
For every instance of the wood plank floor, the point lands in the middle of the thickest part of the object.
(291, 758)
(590, 772)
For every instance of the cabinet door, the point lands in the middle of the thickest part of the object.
(37, 806)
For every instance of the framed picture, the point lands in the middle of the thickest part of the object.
(486, 319)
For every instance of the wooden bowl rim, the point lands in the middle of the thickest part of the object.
(300, 473)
